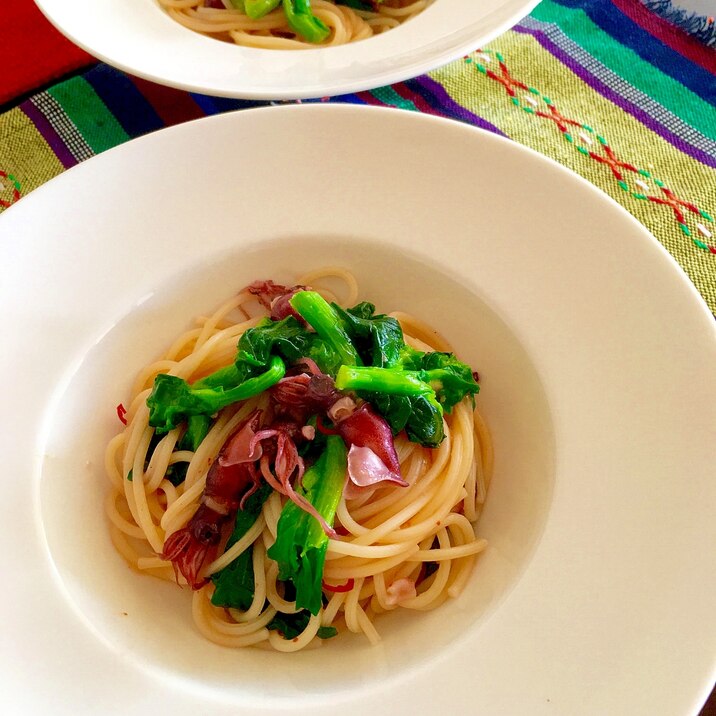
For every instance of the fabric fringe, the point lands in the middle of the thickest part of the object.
(699, 26)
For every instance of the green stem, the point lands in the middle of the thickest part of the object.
(303, 22)
(381, 380)
(301, 544)
(220, 378)
(256, 9)
(319, 314)
(197, 429)
(247, 389)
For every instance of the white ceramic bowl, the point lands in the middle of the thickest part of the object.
(595, 594)
(138, 37)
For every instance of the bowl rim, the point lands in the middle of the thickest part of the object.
(399, 64)
(634, 235)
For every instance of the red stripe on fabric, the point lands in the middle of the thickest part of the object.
(172, 105)
(369, 98)
(32, 51)
(672, 36)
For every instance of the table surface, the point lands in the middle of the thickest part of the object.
(705, 7)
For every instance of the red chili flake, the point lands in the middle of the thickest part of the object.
(121, 413)
(341, 530)
(341, 587)
(323, 429)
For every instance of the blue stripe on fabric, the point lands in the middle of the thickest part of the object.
(206, 103)
(438, 97)
(216, 105)
(624, 30)
(348, 99)
(128, 105)
(226, 104)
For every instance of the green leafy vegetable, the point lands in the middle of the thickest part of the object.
(301, 544)
(451, 379)
(288, 339)
(227, 377)
(313, 449)
(234, 585)
(379, 338)
(289, 625)
(403, 399)
(325, 357)
(425, 422)
(303, 22)
(448, 384)
(197, 428)
(326, 632)
(173, 400)
(410, 389)
(380, 342)
(293, 625)
(356, 4)
(262, 353)
(414, 400)
(324, 319)
(256, 9)
(298, 13)
(381, 380)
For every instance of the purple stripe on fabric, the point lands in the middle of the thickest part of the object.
(595, 83)
(447, 104)
(48, 133)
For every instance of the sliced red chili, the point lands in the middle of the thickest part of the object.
(121, 413)
(323, 428)
(341, 587)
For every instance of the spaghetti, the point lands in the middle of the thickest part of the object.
(392, 547)
(338, 24)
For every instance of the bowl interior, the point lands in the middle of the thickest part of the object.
(148, 620)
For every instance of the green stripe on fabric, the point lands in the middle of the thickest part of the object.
(387, 95)
(627, 64)
(89, 114)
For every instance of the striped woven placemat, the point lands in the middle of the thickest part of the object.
(607, 88)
